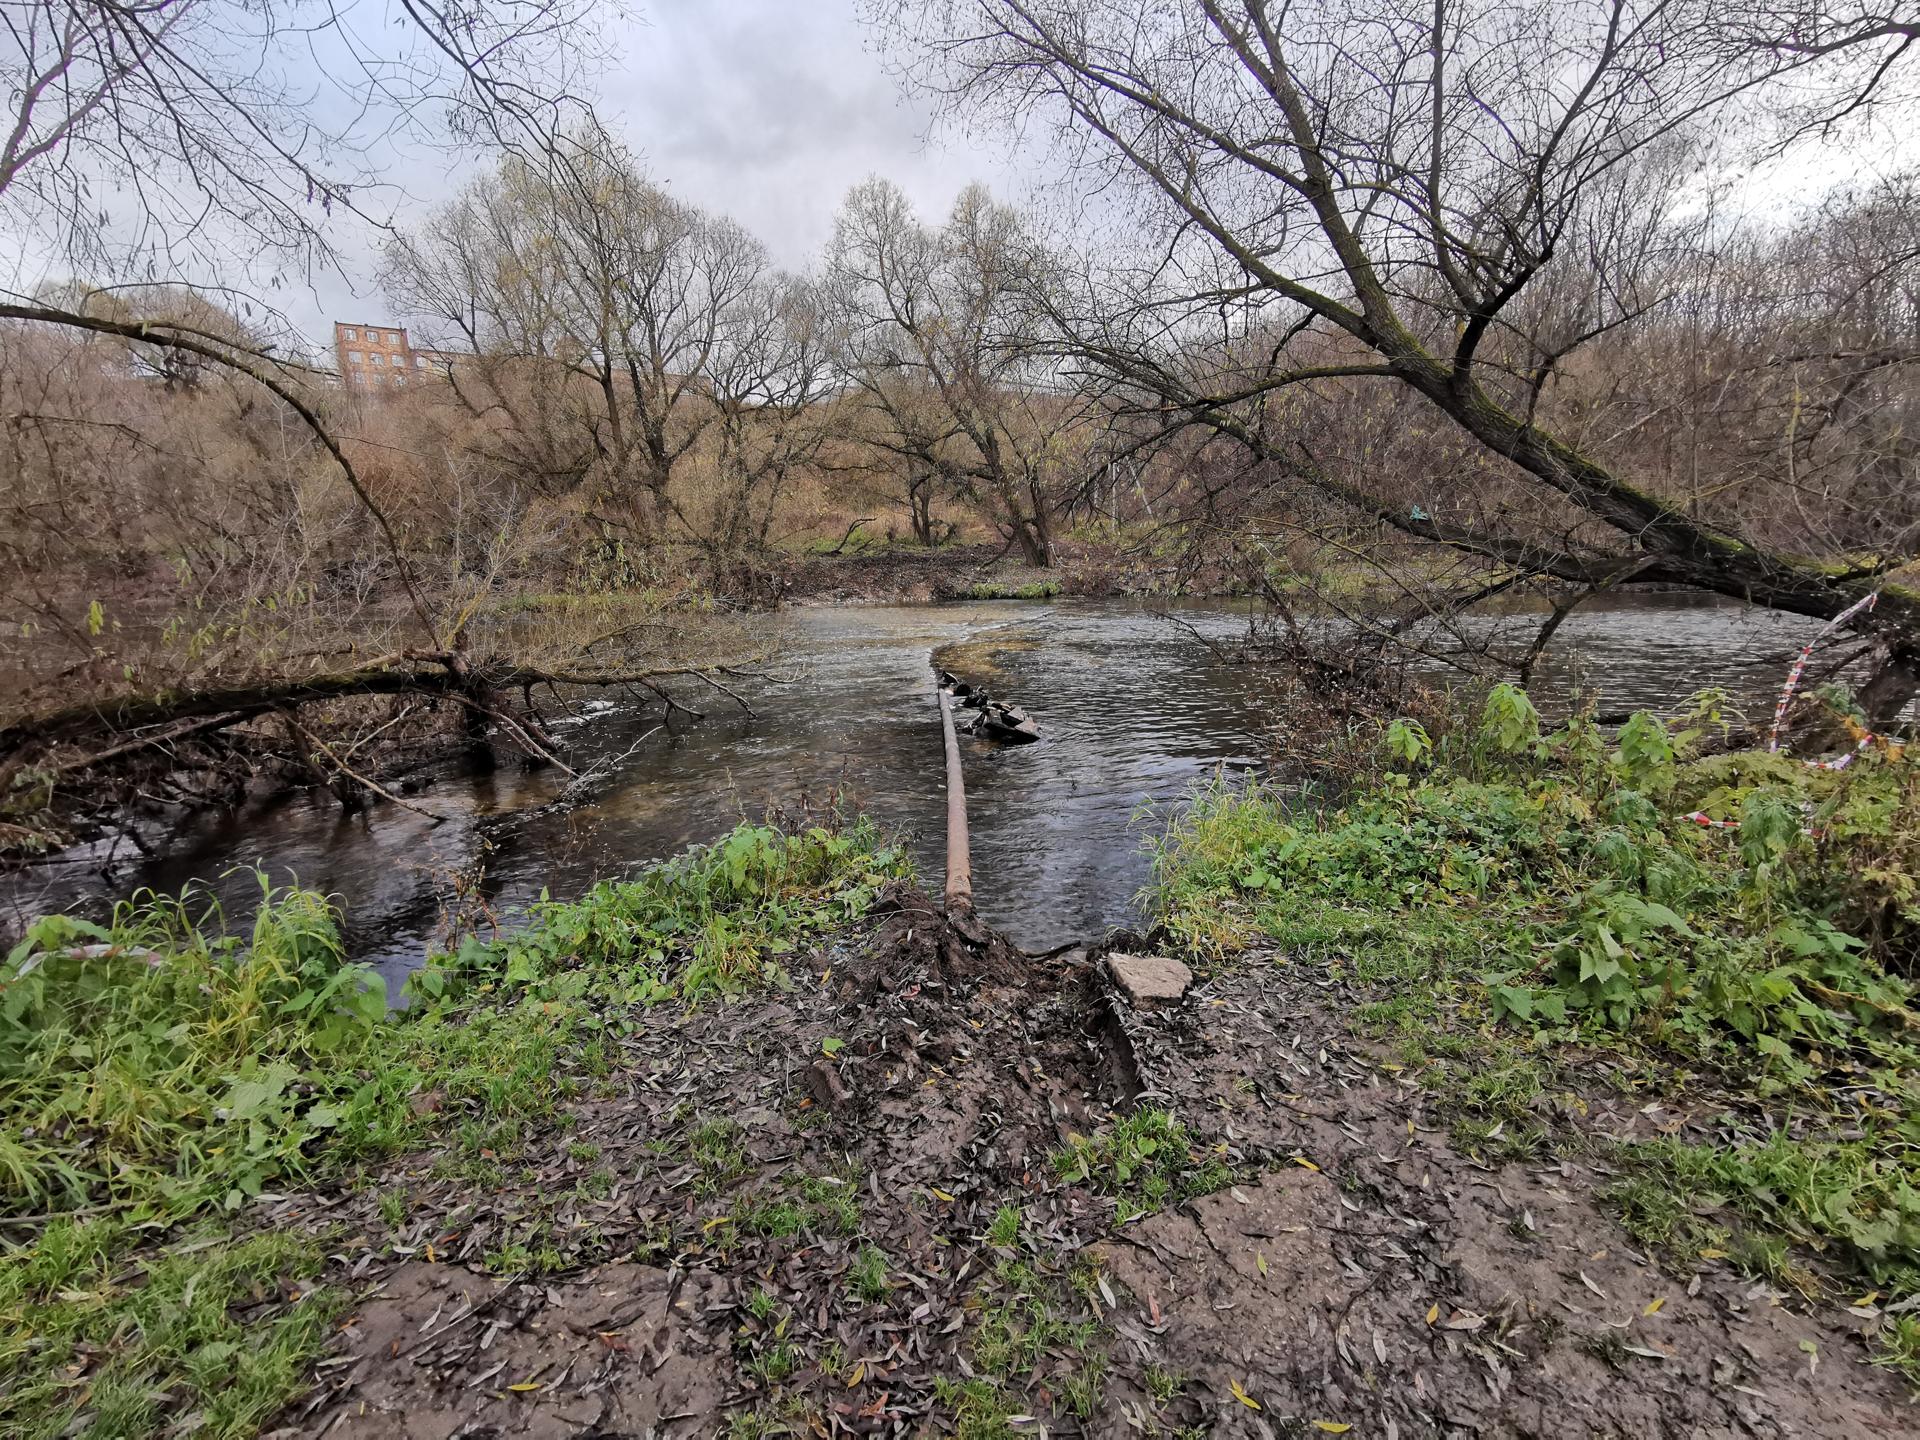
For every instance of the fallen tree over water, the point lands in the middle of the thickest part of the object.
(69, 772)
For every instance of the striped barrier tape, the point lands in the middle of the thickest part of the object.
(1863, 737)
(1800, 665)
(1701, 818)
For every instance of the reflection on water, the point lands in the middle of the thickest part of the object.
(1134, 713)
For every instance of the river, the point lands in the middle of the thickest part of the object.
(1134, 714)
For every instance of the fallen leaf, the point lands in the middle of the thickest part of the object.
(1332, 1427)
(1711, 1254)
(1242, 1396)
(1433, 1313)
(857, 1374)
(524, 1386)
(940, 1194)
(1260, 1260)
(1305, 1163)
(1653, 1306)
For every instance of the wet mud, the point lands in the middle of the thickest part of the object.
(786, 1216)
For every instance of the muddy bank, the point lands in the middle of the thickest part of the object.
(925, 1192)
(914, 575)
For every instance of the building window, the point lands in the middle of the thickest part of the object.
(353, 334)
(378, 358)
(353, 357)
(419, 362)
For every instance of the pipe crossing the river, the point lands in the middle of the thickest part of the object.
(959, 859)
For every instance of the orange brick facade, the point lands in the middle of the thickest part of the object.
(379, 357)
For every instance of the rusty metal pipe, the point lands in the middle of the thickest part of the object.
(959, 859)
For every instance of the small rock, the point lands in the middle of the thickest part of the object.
(1149, 979)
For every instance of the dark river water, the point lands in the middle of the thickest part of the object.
(1134, 712)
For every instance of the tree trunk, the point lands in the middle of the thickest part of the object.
(1696, 555)
(1890, 689)
(920, 506)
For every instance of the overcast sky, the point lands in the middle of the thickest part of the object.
(764, 110)
(767, 111)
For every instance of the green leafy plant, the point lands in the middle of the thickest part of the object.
(717, 920)
(161, 1069)
(1407, 741)
(1509, 724)
(1561, 888)
(1146, 1161)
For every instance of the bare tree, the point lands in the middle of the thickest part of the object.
(938, 330)
(196, 132)
(624, 337)
(1455, 200)
(150, 145)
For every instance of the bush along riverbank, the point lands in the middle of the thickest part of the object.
(1728, 940)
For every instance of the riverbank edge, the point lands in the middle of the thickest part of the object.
(1310, 1078)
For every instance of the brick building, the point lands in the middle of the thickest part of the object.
(380, 357)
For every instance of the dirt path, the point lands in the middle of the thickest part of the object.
(837, 1211)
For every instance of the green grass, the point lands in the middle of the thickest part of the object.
(868, 1276)
(1854, 1201)
(1504, 901)
(836, 1201)
(160, 1071)
(149, 1068)
(1005, 1229)
(1661, 1218)
(1896, 1345)
(800, 1206)
(714, 1145)
(1007, 590)
(93, 1347)
(1037, 1341)
(1146, 1161)
(975, 1409)
(717, 920)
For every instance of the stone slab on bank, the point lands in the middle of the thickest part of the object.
(1149, 979)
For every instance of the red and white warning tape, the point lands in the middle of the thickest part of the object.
(1866, 738)
(1800, 665)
